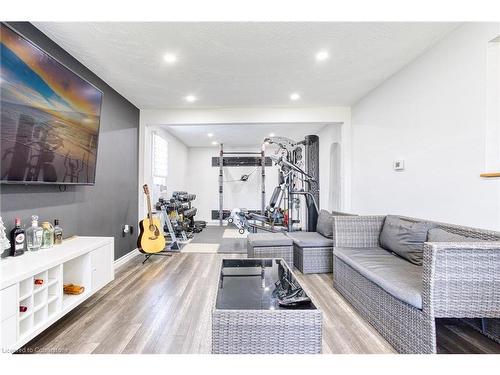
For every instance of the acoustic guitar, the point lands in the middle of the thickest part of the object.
(151, 238)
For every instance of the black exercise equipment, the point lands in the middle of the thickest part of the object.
(298, 164)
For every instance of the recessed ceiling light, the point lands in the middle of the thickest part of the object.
(170, 58)
(191, 98)
(210, 135)
(322, 55)
(271, 134)
(215, 143)
(294, 96)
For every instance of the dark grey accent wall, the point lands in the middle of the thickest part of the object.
(102, 209)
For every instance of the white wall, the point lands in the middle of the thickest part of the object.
(432, 114)
(177, 164)
(325, 115)
(328, 136)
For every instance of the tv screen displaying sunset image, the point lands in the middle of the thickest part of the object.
(49, 117)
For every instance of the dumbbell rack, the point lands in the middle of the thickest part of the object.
(174, 243)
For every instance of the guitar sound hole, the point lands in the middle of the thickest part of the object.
(155, 231)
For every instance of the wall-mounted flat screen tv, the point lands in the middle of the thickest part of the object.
(49, 117)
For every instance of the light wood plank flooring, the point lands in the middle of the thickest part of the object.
(164, 306)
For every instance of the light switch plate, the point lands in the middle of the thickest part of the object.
(399, 165)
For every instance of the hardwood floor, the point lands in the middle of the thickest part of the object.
(165, 306)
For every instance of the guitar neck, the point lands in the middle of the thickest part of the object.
(150, 214)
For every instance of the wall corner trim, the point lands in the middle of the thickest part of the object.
(127, 257)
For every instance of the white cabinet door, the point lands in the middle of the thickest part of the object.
(8, 300)
(8, 334)
(101, 260)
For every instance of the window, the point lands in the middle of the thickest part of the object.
(160, 160)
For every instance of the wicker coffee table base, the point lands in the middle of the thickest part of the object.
(266, 331)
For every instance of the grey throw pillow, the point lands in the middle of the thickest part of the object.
(440, 235)
(404, 238)
(325, 224)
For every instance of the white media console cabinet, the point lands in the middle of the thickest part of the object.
(86, 261)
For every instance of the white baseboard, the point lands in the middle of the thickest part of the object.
(124, 259)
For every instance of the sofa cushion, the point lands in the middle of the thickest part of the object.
(310, 239)
(325, 224)
(404, 238)
(339, 213)
(440, 235)
(268, 239)
(399, 278)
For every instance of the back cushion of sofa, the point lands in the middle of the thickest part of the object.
(325, 224)
(339, 213)
(440, 235)
(404, 238)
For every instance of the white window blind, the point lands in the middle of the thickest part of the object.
(160, 159)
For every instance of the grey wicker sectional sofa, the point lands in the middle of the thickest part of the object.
(458, 278)
(312, 251)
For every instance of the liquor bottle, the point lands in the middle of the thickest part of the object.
(48, 235)
(17, 239)
(58, 233)
(34, 235)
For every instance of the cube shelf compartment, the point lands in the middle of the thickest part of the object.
(40, 316)
(28, 302)
(76, 271)
(40, 299)
(40, 276)
(54, 290)
(53, 307)
(26, 288)
(54, 273)
(26, 326)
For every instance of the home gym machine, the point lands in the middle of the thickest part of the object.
(298, 181)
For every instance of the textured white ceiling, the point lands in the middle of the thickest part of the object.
(244, 64)
(240, 134)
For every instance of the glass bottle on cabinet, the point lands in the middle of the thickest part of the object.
(34, 235)
(48, 235)
(58, 233)
(17, 239)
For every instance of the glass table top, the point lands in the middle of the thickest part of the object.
(259, 284)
